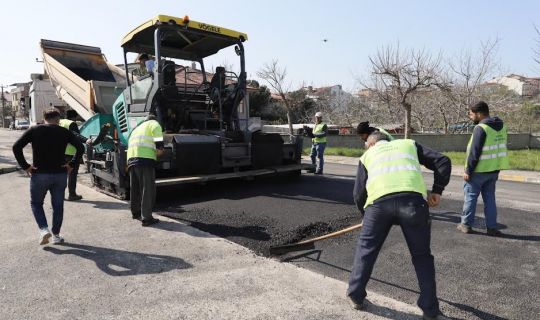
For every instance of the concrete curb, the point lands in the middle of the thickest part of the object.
(518, 178)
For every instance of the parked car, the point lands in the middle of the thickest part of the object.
(22, 124)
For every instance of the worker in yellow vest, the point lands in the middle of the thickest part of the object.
(390, 190)
(486, 155)
(144, 145)
(318, 140)
(363, 130)
(70, 124)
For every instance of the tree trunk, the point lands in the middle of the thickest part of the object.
(289, 121)
(407, 108)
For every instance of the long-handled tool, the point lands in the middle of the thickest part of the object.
(309, 244)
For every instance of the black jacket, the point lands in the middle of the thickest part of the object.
(429, 158)
(479, 138)
(48, 148)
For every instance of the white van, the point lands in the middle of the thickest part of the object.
(21, 124)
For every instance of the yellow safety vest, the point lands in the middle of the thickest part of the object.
(142, 141)
(392, 167)
(70, 149)
(494, 154)
(319, 129)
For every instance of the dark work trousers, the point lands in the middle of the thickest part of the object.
(410, 211)
(72, 177)
(142, 183)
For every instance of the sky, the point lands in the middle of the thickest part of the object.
(291, 32)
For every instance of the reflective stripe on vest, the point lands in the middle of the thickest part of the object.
(142, 141)
(390, 137)
(70, 149)
(494, 154)
(319, 129)
(392, 167)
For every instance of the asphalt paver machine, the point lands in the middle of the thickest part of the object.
(204, 115)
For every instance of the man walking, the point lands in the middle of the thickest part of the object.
(364, 130)
(486, 156)
(390, 190)
(48, 171)
(145, 143)
(318, 143)
(70, 124)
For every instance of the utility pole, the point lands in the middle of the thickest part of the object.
(3, 105)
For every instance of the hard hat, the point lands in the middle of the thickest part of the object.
(318, 114)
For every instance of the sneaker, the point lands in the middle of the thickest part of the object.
(355, 305)
(318, 172)
(494, 232)
(146, 223)
(57, 239)
(464, 228)
(75, 197)
(44, 236)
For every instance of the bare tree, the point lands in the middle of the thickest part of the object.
(470, 70)
(397, 74)
(276, 76)
(536, 49)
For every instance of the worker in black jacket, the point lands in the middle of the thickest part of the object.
(390, 190)
(48, 171)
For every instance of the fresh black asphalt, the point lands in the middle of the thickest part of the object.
(477, 276)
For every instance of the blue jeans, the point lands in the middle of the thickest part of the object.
(411, 213)
(317, 151)
(55, 183)
(480, 183)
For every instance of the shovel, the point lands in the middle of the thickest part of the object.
(309, 244)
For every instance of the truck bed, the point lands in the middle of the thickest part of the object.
(82, 76)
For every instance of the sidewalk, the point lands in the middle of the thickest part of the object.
(112, 268)
(507, 175)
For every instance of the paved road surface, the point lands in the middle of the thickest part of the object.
(478, 276)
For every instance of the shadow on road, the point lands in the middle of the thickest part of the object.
(119, 262)
(216, 229)
(479, 223)
(109, 205)
(307, 188)
(386, 312)
(180, 227)
(463, 307)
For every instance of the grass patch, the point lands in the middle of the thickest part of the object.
(519, 159)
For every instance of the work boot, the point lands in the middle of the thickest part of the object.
(74, 197)
(44, 236)
(464, 228)
(355, 305)
(494, 232)
(146, 223)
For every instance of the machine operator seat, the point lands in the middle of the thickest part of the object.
(217, 84)
(169, 90)
(169, 73)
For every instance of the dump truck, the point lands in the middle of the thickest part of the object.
(205, 116)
